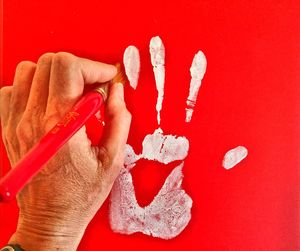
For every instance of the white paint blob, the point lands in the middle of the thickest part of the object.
(131, 60)
(197, 70)
(234, 156)
(170, 211)
(157, 53)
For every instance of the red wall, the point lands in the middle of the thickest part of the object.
(249, 96)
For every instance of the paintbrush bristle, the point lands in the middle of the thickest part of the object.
(103, 88)
(121, 76)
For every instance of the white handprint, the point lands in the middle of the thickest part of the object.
(170, 211)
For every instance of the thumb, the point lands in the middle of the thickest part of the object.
(112, 145)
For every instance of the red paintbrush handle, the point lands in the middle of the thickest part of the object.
(48, 145)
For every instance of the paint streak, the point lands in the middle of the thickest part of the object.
(131, 60)
(234, 156)
(197, 70)
(157, 53)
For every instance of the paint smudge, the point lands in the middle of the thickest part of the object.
(165, 217)
(234, 156)
(157, 53)
(197, 71)
(131, 60)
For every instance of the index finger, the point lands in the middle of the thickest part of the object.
(68, 76)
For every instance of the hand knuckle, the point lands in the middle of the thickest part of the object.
(10, 134)
(5, 95)
(128, 115)
(24, 131)
(5, 91)
(24, 65)
(64, 59)
(116, 107)
(125, 115)
(46, 58)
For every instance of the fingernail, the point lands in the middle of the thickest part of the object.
(120, 90)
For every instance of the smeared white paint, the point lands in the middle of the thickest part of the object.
(165, 217)
(197, 70)
(157, 52)
(234, 156)
(131, 60)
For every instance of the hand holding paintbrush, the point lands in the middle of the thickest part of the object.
(46, 97)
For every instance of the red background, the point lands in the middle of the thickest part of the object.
(249, 97)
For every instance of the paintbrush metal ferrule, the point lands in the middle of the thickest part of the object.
(103, 90)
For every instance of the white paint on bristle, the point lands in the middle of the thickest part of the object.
(197, 70)
(234, 156)
(157, 52)
(131, 60)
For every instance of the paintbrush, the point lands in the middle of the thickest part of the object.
(49, 144)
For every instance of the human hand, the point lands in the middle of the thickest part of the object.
(59, 202)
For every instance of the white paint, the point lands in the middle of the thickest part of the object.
(131, 60)
(164, 149)
(165, 217)
(157, 53)
(158, 147)
(170, 211)
(197, 71)
(234, 156)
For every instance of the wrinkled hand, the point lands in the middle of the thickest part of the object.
(57, 205)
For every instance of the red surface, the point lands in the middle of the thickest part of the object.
(249, 97)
